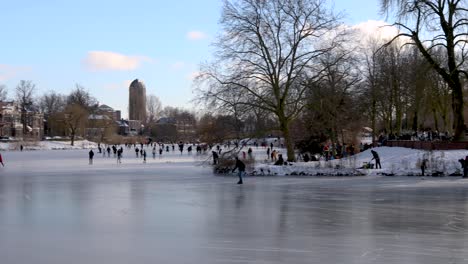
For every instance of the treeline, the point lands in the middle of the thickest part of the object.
(298, 65)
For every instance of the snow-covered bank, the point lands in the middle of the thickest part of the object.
(47, 145)
(394, 160)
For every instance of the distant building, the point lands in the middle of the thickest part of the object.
(11, 124)
(104, 123)
(137, 101)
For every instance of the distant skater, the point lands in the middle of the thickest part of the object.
(119, 155)
(144, 156)
(423, 166)
(137, 151)
(154, 152)
(215, 157)
(91, 155)
(377, 159)
(21, 147)
(465, 168)
(1, 160)
(240, 166)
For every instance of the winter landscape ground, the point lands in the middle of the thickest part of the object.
(55, 208)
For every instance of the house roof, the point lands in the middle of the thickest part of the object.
(98, 117)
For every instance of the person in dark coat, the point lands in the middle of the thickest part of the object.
(377, 159)
(423, 166)
(240, 166)
(144, 156)
(280, 161)
(306, 157)
(215, 157)
(465, 168)
(119, 155)
(137, 151)
(91, 155)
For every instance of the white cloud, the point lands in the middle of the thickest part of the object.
(7, 71)
(196, 35)
(107, 60)
(378, 30)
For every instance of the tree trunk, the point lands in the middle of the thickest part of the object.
(284, 126)
(72, 137)
(457, 107)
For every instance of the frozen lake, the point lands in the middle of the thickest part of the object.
(55, 208)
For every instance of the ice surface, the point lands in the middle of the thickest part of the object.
(55, 208)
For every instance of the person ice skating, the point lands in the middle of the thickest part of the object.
(306, 157)
(423, 166)
(137, 151)
(144, 156)
(240, 166)
(119, 155)
(21, 147)
(377, 159)
(160, 152)
(1, 160)
(250, 153)
(154, 152)
(215, 157)
(91, 155)
(464, 163)
(108, 151)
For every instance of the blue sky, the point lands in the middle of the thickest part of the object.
(103, 45)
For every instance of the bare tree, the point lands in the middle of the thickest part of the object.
(24, 96)
(435, 23)
(52, 102)
(331, 107)
(153, 108)
(3, 92)
(83, 98)
(266, 51)
(75, 117)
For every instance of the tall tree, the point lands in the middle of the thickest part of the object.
(75, 117)
(3, 92)
(266, 51)
(83, 98)
(435, 23)
(153, 108)
(52, 102)
(24, 96)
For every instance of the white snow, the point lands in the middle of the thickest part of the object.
(395, 160)
(48, 145)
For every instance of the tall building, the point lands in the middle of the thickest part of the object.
(137, 101)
